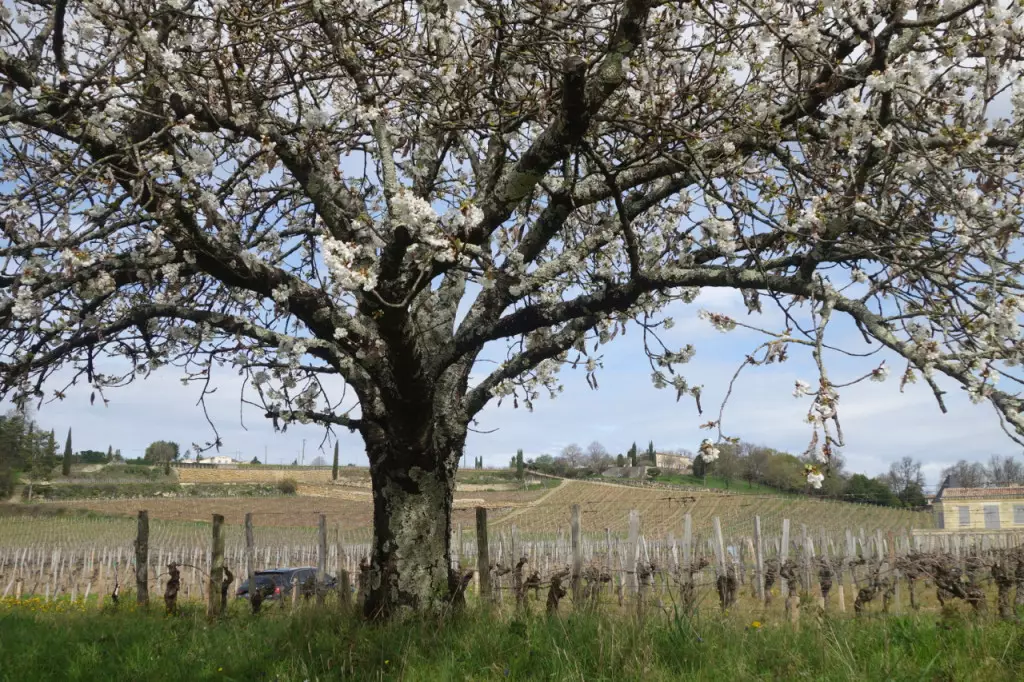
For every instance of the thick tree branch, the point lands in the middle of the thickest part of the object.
(559, 342)
(580, 101)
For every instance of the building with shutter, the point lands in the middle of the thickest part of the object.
(979, 509)
(665, 460)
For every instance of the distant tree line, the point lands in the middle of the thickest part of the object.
(746, 463)
(24, 447)
(1001, 471)
(28, 448)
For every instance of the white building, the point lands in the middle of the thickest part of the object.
(665, 460)
(217, 459)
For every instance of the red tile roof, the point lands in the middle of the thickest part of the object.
(981, 493)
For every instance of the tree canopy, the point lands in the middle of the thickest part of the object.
(377, 191)
(161, 452)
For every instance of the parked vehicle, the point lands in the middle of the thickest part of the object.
(276, 583)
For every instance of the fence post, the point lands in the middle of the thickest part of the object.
(631, 551)
(142, 559)
(344, 584)
(895, 571)
(806, 557)
(758, 558)
(783, 557)
(250, 561)
(719, 548)
(216, 568)
(483, 562)
(687, 543)
(101, 587)
(577, 554)
(610, 560)
(720, 567)
(321, 561)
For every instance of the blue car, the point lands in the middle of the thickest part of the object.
(276, 583)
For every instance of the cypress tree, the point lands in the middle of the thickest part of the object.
(632, 455)
(66, 464)
(50, 452)
(334, 469)
(520, 470)
(651, 455)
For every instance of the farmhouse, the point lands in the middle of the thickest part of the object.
(217, 459)
(664, 460)
(979, 508)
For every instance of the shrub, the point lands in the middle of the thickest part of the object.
(288, 486)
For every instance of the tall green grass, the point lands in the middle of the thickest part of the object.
(325, 645)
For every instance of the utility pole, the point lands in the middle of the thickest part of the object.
(302, 460)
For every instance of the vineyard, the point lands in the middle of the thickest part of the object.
(674, 565)
(90, 544)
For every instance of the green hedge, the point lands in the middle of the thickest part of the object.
(120, 491)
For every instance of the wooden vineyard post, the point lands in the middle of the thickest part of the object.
(719, 547)
(321, 561)
(806, 552)
(344, 586)
(250, 561)
(483, 562)
(216, 568)
(100, 588)
(759, 558)
(142, 559)
(634, 538)
(615, 585)
(851, 555)
(295, 593)
(687, 544)
(783, 557)
(720, 567)
(577, 555)
(895, 571)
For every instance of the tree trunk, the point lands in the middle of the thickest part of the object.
(412, 505)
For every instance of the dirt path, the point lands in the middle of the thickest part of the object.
(511, 515)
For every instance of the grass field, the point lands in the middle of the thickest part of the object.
(326, 645)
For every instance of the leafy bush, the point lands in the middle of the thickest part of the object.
(288, 486)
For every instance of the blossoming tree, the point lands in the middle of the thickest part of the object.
(375, 190)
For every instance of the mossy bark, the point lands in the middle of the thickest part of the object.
(410, 570)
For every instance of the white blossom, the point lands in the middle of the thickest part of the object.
(707, 451)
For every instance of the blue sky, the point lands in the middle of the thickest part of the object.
(880, 423)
